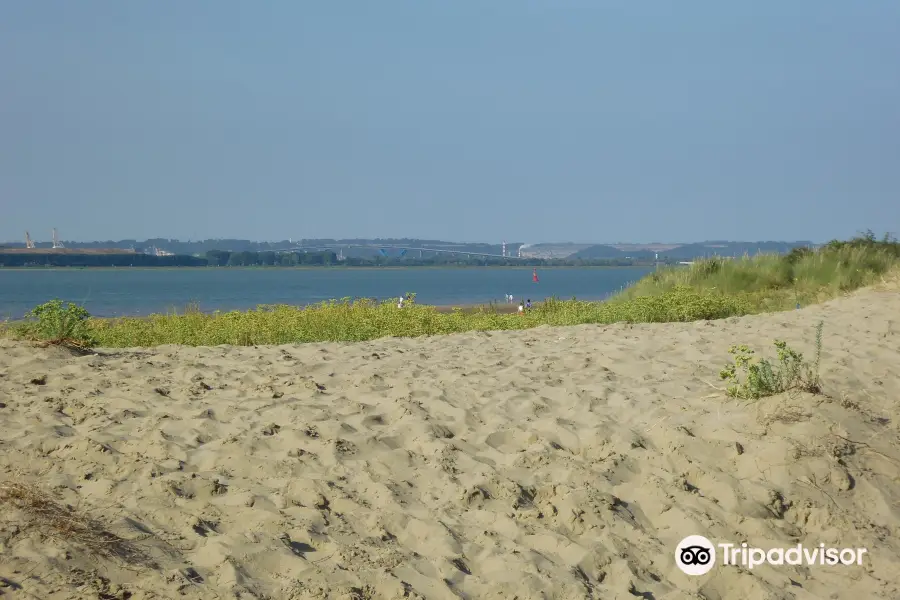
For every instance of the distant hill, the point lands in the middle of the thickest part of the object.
(693, 251)
(601, 251)
(551, 250)
(735, 249)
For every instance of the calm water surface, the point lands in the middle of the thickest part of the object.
(117, 292)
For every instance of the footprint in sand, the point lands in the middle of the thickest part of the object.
(375, 421)
(510, 441)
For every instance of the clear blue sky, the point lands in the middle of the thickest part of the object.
(478, 120)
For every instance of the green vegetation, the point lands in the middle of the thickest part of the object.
(773, 282)
(363, 320)
(709, 289)
(754, 379)
(58, 323)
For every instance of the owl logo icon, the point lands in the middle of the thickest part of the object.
(695, 555)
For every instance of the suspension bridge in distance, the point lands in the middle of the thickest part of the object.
(384, 248)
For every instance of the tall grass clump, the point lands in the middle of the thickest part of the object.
(779, 282)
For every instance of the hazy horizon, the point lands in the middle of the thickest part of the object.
(530, 121)
(448, 240)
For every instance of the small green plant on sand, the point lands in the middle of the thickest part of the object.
(752, 378)
(60, 323)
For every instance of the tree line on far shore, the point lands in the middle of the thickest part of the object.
(327, 258)
(224, 258)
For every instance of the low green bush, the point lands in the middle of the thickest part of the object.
(752, 378)
(56, 322)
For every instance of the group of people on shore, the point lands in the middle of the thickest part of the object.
(523, 304)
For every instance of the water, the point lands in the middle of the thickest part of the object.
(120, 292)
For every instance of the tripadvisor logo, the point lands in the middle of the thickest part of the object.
(696, 555)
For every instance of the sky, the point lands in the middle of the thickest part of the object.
(518, 120)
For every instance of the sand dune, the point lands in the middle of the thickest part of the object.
(550, 463)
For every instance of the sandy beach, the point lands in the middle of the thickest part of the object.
(548, 463)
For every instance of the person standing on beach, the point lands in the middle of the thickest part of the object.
(521, 308)
(400, 303)
(528, 303)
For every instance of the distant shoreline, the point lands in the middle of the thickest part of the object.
(333, 267)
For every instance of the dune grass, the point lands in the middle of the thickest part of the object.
(709, 289)
(41, 511)
(780, 282)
